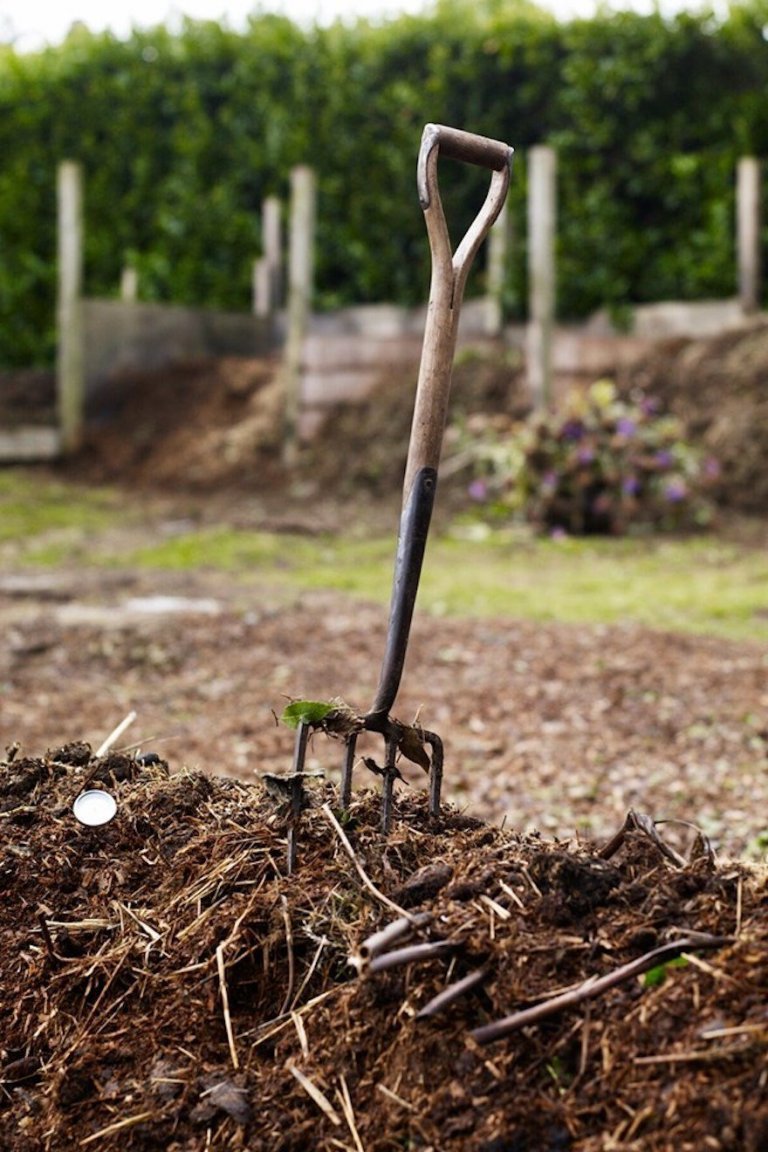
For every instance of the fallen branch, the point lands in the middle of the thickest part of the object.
(594, 986)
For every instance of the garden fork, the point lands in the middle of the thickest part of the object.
(449, 276)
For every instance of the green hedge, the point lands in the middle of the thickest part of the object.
(182, 136)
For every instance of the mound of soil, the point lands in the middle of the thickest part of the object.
(719, 389)
(27, 396)
(219, 423)
(166, 984)
(365, 445)
(196, 426)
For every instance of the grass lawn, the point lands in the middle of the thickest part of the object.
(700, 584)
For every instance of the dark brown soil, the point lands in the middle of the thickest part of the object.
(167, 985)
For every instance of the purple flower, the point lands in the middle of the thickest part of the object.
(649, 405)
(572, 430)
(626, 427)
(712, 468)
(478, 490)
(559, 534)
(630, 485)
(675, 491)
(664, 458)
(586, 455)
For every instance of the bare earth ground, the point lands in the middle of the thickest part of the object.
(549, 726)
(166, 985)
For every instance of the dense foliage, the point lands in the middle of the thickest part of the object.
(183, 135)
(602, 464)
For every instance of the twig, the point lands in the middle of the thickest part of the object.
(369, 884)
(118, 1126)
(496, 908)
(381, 940)
(301, 1032)
(314, 1092)
(115, 734)
(225, 1004)
(693, 1057)
(452, 993)
(411, 954)
(272, 1027)
(512, 895)
(310, 973)
(531, 880)
(349, 1113)
(291, 961)
(394, 1096)
(593, 986)
(47, 938)
(736, 1030)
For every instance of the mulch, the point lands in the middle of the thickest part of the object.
(166, 984)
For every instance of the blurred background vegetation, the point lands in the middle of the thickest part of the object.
(183, 135)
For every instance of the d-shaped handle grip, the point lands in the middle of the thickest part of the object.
(458, 145)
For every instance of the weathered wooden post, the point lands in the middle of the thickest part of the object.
(268, 270)
(498, 250)
(129, 285)
(301, 243)
(748, 227)
(542, 210)
(69, 313)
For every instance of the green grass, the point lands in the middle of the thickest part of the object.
(32, 506)
(693, 585)
(699, 584)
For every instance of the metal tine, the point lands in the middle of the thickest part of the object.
(435, 770)
(346, 771)
(300, 747)
(297, 795)
(388, 783)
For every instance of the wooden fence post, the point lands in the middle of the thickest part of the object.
(70, 386)
(748, 227)
(498, 253)
(301, 245)
(268, 270)
(129, 285)
(542, 212)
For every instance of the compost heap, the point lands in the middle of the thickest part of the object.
(717, 387)
(166, 984)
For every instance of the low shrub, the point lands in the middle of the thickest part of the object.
(600, 464)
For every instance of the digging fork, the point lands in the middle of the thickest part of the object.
(449, 275)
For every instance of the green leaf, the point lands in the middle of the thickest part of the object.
(655, 977)
(311, 712)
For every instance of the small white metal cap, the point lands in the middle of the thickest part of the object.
(94, 807)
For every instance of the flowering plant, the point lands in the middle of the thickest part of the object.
(602, 464)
